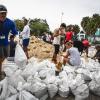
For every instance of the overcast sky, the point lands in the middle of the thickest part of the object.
(51, 10)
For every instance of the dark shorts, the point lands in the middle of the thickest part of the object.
(25, 42)
(4, 51)
(57, 47)
(85, 47)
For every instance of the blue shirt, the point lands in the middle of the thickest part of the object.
(8, 26)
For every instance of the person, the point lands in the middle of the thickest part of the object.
(97, 55)
(78, 44)
(86, 45)
(57, 40)
(6, 26)
(12, 46)
(44, 37)
(56, 43)
(25, 36)
(72, 56)
(63, 31)
(69, 34)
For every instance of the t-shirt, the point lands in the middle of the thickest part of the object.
(26, 32)
(75, 59)
(5, 27)
(56, 40)
(69, 36)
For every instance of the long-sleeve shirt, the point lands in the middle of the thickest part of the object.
(6, 27)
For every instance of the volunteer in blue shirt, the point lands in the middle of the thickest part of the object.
(6, 26)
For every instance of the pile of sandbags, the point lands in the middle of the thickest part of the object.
(38, 80)
(40, 49)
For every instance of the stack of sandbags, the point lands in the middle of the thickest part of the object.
(40, 49)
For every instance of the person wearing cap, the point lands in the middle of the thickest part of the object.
(25, 36)
(72, 56)
(86, 45)
(6, 26)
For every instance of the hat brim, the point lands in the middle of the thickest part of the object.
(2, 11)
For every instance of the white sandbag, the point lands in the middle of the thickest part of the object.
(92, 65)
(20, 57)
(69, 69)
(27, 87)
(14, 97)
(50, 65)
(63, 91)
(20, 86)
(85, 72)
(12, 90)
(44, 72)
(15, 79)
(33, 60)
(52, 90)
(29, 70)
(50, 80)
(8, 71)
(91, 51)
(76, 82)
(4, 86)
(63, 74)
(44, 97)
(97, 77)
(9, 64)
(38, 89)
(94, 87)
(78, 97)
(82, 90)
(24, 95)
(33, 79)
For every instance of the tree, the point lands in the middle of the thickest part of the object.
(74, 28)
(38, 26)
(90, 24)
(19, 24)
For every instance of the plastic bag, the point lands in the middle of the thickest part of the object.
(52, 89)
(14, 97)
(20, 57)
(4, 86)
(24, 95)
(63, 91)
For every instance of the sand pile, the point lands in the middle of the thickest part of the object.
(40, 49)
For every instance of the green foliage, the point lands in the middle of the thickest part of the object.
(90, 24)
(38, 26)
(19, 24)
(74, 28)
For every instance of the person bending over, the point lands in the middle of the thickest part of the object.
(72, 56)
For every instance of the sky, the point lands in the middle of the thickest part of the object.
(54, 11)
